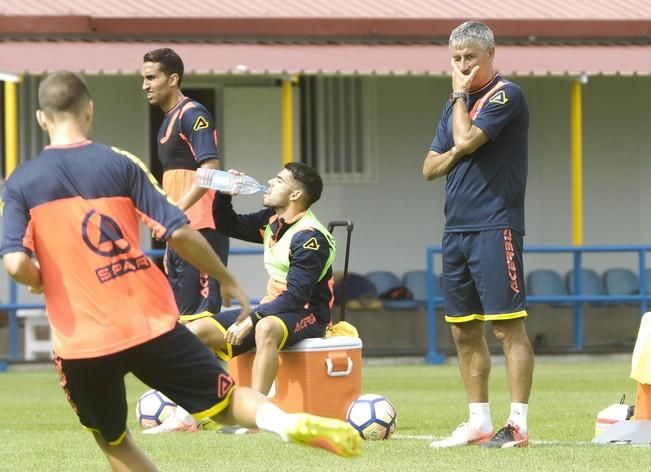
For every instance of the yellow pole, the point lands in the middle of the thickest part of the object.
(288, 120)
(577, 164)
(11, 127)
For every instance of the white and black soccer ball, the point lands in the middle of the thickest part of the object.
(373, 416)
(153, 408)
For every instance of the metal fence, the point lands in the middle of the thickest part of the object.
(435, 300)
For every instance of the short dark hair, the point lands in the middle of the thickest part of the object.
(309, 179)
(62, 92)
(170, 62)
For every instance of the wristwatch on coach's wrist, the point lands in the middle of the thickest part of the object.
(454, 96)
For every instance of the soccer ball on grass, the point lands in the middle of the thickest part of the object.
(153, 408)
(373, 416)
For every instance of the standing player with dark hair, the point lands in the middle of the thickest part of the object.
(298, 256)
(481, 145)
(76, 207)
(187, 140)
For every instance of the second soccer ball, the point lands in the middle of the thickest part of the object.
(373, 416)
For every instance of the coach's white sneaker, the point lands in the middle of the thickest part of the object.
(464, 435)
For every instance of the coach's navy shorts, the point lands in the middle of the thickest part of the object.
(176, 363)
(194, 291)
(296, 326)
(483, 276)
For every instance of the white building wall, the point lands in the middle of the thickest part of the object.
(121, 113)
(251, 143)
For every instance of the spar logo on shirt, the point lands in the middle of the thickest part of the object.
(103, 235)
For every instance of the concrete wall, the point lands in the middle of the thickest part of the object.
(121, 113)
(252, 143)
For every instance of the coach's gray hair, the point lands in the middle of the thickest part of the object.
(469, 33)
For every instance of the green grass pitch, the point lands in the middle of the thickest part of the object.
(39, 432)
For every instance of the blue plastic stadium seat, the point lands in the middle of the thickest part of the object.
(546, 282)
(592, 284)
(383, 280)
(401, 304)
(416, 282)
(620, 281)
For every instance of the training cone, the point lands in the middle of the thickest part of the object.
(641, 369)
(643, 402)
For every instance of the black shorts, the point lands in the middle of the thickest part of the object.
(194, 291)
(483, 276)
(176, 363)
(296, 326)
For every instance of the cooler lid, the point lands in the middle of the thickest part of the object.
(326, 344)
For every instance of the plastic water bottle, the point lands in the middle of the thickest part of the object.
(226, 182)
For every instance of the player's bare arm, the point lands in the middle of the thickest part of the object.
(467, 137)
(194, 248)
(23, 270)
(437, 165)
(195, 193)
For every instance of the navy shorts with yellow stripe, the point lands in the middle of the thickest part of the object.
(483, 275)
(296, 326)
(194, 291)
(176, 363)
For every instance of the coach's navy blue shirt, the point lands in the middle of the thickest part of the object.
(485, 190)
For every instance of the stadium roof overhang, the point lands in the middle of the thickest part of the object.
(223, 58)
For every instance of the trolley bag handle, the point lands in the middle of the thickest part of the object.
(349, 229)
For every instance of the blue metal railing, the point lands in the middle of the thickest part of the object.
(577, 299)
(14, 304)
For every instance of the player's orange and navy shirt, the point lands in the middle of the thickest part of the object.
(187, 138)
(77, 208)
